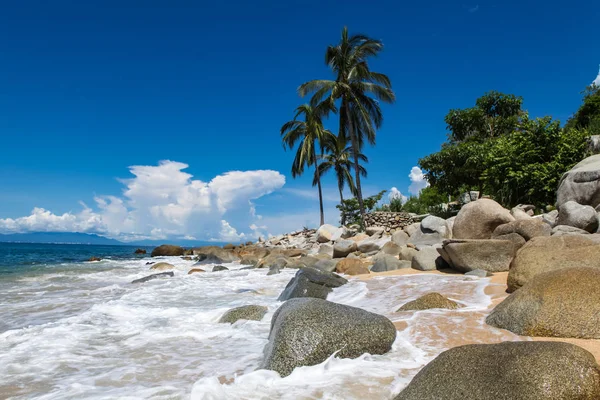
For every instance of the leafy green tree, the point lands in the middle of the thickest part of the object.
(588, 115)
(350, 209)
(429, 201)
(308, 132)
(338, 157)
(358, 90)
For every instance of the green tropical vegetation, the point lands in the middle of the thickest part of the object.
(494, 147)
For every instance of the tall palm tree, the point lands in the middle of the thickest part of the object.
(309, 132)
(338, 159)
(359, 91)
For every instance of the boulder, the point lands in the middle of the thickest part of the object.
(273, 271)
(343, 247)
(308, 331)
(391, 248)
(550, 218)
(359, 237)
(153, 276)
(426, 259)
(326, 249)
(479, 219)
(386, 262)
(543, 254)
(412, 228)
(162, 266)
(327, 233)
(376, 231)
(250, 313)
(563, 230)
(229, 246)
(218, 268)
(578, 216)
(368, 245)
(479, 273)
(433, 224)
(407, 253)
(519, 214)
(400, 238)
(581, 184)
(214, 255)
(309, 282)
(167, 250)
(352, 266)
(429, 301)
(560, 303)
(526, 228)
(326, 265)
(275, 259)
(508, 371)
(513, 237)
(94, 259)
(139, 251)
(490, 255)
(195, 270)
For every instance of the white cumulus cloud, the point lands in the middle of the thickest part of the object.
(417, 181)
(396, 194)
(159, 202)
(597, 80)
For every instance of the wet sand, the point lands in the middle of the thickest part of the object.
(469, 329)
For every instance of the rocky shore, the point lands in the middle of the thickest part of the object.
(546, 265)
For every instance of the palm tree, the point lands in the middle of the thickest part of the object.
(339, 159)
(359, 90)
(309, 133)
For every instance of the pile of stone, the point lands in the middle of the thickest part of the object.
(390, 221)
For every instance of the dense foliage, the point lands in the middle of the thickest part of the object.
(350, 209)
(497, 149)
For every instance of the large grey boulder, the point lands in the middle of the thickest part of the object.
(386, 262)
(479, 219)
(432, 230)
(368, 245)
(581, 184)
(310, 282)
(578, 216)
(407, 253)
(343, 247)
(375, 231)
(544, 254)
(527, 229)
(327, 233)
(308, 331)
(167, 250)
(508, 371)
(412, 228)
(489, 255)
(391, 248)
(400, 238)
(326, 249)
(214, 255)
(550, 218)
(326, 265)
(250, 313)
(560, 303)
(427, 259)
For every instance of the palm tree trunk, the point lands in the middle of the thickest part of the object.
(343, 220)
(319, 186)
(355, 151)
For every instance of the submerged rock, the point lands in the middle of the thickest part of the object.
(429, 301)
(218, 268)
(153, 276)
(561, 303)
(508, 371)
(309, 282)
(251, 313)
(308, 331)
(195, 270)
(139, 251)
(167, 250)
(162, 266)
(94, 259)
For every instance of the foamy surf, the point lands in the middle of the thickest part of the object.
(92, 334)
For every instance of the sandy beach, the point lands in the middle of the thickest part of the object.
(471, 330)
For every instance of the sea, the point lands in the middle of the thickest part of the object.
(74, 329)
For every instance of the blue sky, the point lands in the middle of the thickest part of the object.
(89, 89)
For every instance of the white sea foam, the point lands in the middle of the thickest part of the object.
(93, 334)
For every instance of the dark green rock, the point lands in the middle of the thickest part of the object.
(251, 313)
(429, 301)
(508, 371)
(308, 331)
(309, 282)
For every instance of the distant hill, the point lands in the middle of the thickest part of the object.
(89, 238)
(59, 237)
